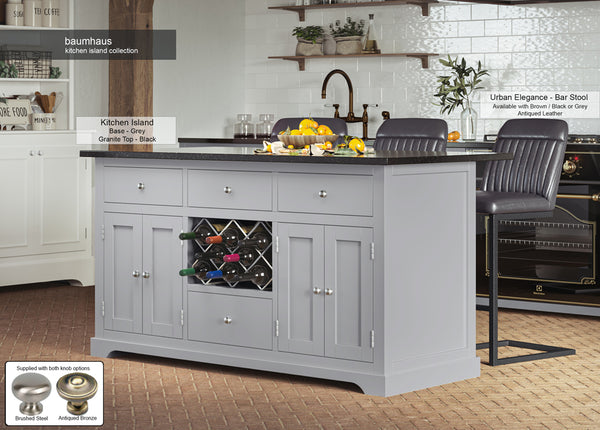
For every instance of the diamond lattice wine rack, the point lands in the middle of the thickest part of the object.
(231, 253)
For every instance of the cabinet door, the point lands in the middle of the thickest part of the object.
(123, 272)
(62, 199)
(348, 293)
(16, 187)
(299, 278)
(162, 286)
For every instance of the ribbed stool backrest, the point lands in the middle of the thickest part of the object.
(412, 134)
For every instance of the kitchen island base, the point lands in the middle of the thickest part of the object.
(373, 276)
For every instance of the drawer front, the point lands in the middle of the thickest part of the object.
(325, 194)
(249, 320)
(230, 190)
(143, 186)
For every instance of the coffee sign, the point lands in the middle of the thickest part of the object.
(15, 112)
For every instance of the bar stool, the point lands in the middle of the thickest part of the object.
(522, 188)
(412, 134)
(337, 125)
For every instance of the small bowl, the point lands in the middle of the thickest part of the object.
(302, 141)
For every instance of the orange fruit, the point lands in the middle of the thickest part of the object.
(357, 145)
(453, 136)
(295, 132)
(323, 130)
(308, 131)
(327, 145)
(308, 123)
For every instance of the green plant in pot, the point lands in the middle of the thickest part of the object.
(348, 37)
(457, 89)
(8, 71)
(310, 40)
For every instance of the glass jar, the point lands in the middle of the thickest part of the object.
(244, 129)
(265, 126)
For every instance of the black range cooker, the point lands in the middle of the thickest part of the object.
(552, 264)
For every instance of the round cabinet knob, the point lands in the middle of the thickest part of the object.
(77, 389)
(322, 194)
(31, 389)
(569, 167)
(227, 320)
(136, 274)
(40, 152)
(227, 190)
(145, 275)
(316, 290)
(31, 153)
(328, 291)
(141, 186)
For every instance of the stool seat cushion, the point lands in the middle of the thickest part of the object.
(500, 202)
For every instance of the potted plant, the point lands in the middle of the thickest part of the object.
(310, 40)
(456, 89)
(348, 38)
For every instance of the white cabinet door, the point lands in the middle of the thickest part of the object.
(300, 288)
(17, 168)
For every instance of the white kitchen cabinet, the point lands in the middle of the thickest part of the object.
(46, 221)
(143, 291)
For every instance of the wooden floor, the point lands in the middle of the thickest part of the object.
(55, 322)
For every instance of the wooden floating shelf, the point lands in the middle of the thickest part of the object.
(301, 10)
(424, 57)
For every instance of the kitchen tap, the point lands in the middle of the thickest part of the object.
(350, 116)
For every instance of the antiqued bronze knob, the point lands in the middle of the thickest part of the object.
(31, 389)
(77, 389)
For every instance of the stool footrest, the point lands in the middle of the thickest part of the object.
(547, 352)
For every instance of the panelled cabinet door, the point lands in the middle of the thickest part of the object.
(16, 195)
(123, 272)
(161, 283)
(348, 293)
(300, 288)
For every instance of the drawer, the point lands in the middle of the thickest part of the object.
(250, 320)
(325, 194)
(143, 186)
(230, 190)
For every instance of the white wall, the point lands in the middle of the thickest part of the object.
(91, 76)
(204, 87)
(534, 47)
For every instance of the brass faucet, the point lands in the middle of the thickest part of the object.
(350, 116)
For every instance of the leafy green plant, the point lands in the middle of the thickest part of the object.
(456, 88)
(8, 71)
(350, 28)
(55, 72)
(311, 33)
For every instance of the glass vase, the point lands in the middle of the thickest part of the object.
(468, 122)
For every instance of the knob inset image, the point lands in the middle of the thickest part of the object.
(31, 389)
(77, 389)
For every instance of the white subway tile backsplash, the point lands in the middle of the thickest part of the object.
(484, 11)
(461, 12)
(511, 43)
(525, 26)
(471, 28)
(502, 27)
(484, 44)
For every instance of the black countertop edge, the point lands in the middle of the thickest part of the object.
(382, 158)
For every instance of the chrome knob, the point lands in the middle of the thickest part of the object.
(145, 275)
(569, 167)
(328, 291)
(40, 152)
(77, 389)
(31, 153)
(136, 274)
(227, 320)
(31, 389)
(317, 291)
(141, 186)
(227, 190)
(322, 194)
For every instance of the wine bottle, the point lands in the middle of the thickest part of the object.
(215, 252)
(227, 272)
(229, 237)
(259, 275)
(199, 269)
(200, 232)
(259, 239)
(246, 256)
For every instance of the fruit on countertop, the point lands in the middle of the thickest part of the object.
(453, 136)
(356, 144)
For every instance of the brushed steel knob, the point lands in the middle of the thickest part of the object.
(31, 153)
(322, 194)
(227, 190)
(145, 275)
(136, 274)
(227, 320)
(141, 186)
(40, 152)
(77, 389)
(328, 291)
(31, 389)
(316, 290)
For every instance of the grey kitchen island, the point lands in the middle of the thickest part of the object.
(372, 260)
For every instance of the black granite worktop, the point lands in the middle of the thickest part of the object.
(236, 153)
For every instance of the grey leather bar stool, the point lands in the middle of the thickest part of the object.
(412, 134)
(522, 188)
(337, 125)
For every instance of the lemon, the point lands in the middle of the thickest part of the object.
(357, 145)
(295, 132)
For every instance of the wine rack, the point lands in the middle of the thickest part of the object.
(246, 230)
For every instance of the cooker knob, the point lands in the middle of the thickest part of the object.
(569, 167)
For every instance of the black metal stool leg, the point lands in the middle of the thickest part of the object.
(494, 343)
